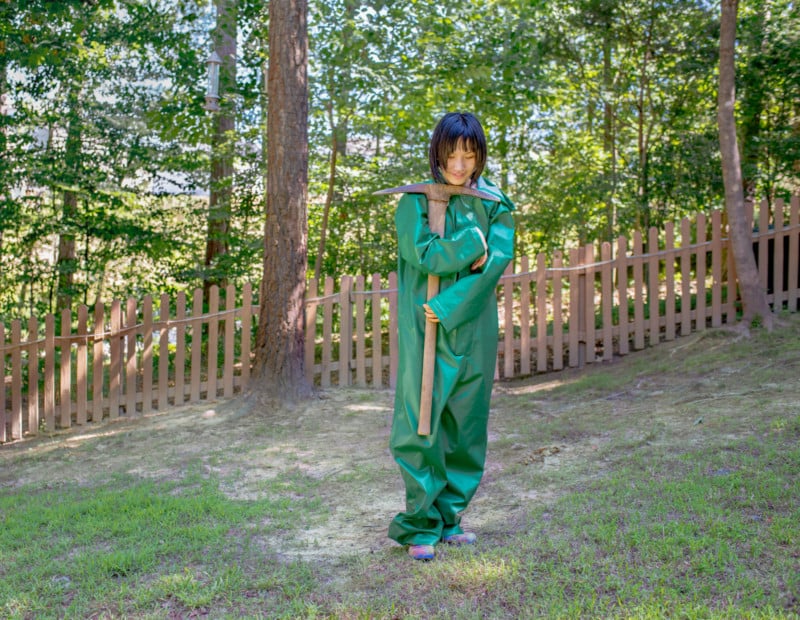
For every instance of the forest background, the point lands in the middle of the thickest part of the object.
(601, 115)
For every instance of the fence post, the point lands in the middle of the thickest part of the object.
(653, 293)
(716, 268)
(163, 353)
(638, 294)
(197, 346)
(777, 258)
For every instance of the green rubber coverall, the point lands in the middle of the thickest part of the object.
(442, 471)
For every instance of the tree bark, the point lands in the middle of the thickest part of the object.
(67, 262)
(278, 372)
(222, 147)
(754, 297)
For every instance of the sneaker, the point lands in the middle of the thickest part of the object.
(422, 552)
(467, 538)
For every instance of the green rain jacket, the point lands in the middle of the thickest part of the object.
(442, 471)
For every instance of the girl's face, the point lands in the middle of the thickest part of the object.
(460, 165)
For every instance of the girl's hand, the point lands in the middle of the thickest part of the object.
(430, 315)
(479, 262)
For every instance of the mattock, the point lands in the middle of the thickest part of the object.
(438, 195)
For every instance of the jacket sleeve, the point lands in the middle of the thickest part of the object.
(428, 251)
(464, 300)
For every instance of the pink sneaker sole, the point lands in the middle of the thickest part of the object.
(467, 538)
(422, 552)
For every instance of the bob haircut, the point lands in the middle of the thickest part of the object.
(451, 129)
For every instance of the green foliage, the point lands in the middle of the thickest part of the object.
(601, 119)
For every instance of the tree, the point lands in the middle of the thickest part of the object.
(279, 370)
(754, 300)
(222, 146)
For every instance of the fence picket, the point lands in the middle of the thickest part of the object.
(621, 267)
(147, 354)
(607, 301)
(377, 332)
(327, 331)
(196, 351)
(686, 279)
(638, 294)
(49, 373)
(345, 330)
(82, 366)
(115, 360)
(361, 336)
(310, 344)
(229, 359)
(541, 314)
(700, 268)
(777, 256)
(793, 292)
(16, 379)
(180, 350)
(393, 355)
(716, 268)
(247, 321)
(669, 279)
(213, 342)
(653, 296)
(33, 377)
(525, 316)
(97, 362)
(558, 317)
(3, 415)
(163, 352)
(65, 383)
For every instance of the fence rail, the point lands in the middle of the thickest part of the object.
(588, 306)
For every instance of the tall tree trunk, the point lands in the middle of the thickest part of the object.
(609, 143)
(279, 373)
(67, 262)
(222, 146)
(754, 297)
(323, 233)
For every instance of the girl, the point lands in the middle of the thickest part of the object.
(442, 470)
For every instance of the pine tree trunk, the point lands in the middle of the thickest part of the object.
(222, 146)
(754, 297)
(278, 372)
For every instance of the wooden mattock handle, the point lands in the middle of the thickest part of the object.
(436, 212)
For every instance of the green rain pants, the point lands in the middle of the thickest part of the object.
(442, 471)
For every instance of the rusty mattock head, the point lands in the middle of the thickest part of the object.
(439, 192)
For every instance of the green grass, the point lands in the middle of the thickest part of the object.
(674, 494)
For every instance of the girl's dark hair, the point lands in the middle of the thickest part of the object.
(452, 128)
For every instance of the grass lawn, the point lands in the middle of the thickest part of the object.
(661, 485)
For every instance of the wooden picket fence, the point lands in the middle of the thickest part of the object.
(588, 306)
